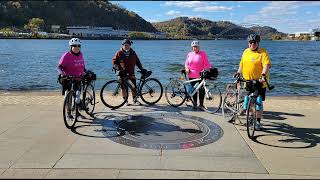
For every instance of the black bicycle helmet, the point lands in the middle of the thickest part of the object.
(253, 37)
(127, 41)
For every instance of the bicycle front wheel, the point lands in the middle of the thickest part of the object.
(251, 119)
(151, 91)
(175, 93)
(70, 110)
(229, 106)
(212, 100)
(89, 98)
(112, 95)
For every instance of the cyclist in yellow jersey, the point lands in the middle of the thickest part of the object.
(254, 65)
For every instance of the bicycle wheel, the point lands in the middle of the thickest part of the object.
(251, 119)
(151, 91)
(89, 99)
(229, 107)
(241, 95)
(175, 93)
(212, 100)
(70, 110)
(112, 95)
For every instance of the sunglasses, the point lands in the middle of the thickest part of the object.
(252, 42)
(76, 46)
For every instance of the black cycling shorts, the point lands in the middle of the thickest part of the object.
(262, 93)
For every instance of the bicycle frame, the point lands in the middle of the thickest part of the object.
(130, 84)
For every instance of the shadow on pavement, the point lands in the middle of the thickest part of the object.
(139, 125)
(288, 136)
(273, 115)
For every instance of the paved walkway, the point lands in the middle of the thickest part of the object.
(34, 143)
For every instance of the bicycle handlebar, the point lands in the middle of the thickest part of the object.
(240, 79)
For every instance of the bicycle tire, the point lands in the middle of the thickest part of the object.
(89, 99)
(70, 98)
(214, 101)
(229, 103)
(251, 121)
(150, 91)
(174, 88)
(106, 96)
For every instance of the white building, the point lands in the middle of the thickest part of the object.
(298, 34)
(87, 31)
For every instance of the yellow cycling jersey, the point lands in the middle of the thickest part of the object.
(252, 63)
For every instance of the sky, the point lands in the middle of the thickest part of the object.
(285, 16)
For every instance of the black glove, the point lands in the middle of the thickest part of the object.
(144, 71)
(263, 77)
(122, 73)
(236, 75)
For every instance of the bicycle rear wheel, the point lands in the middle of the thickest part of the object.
(112, 95)
(151, 91)
(212, 100)
(175, 93)
(229, 107)
(70, 110)
(89, 98)
(251, 119)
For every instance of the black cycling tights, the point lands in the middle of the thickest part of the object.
(201, 93)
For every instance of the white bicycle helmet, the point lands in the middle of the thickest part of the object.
(74, 41)
(195, 43)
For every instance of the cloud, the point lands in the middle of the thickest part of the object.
(239, 6)
(212, 9)
(246, 1)
(198, 6)
(153, 20)
(282, 15)
(188, 4)
(317, 21)
(173, 13)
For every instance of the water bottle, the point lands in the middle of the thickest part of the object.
(245, 102)
(77, 97)
(259, 103)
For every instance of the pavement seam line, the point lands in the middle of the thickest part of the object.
(65, 152)
(16, 124)
(251, 150)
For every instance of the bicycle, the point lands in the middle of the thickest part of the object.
(179, 91)
(232, 105)
(73, 102)
(252, 87)
(114, 93)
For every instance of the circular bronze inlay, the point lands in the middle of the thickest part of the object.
(162, 131)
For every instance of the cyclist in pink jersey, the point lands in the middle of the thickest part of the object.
(72, 63)
(196, 62)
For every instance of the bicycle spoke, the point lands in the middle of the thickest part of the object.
(112, 95)
(213, 100)
(151, 91)
(70, 110)
(175, 93)
(89, 99)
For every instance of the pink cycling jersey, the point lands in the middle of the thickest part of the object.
(197, 62)
(71, 65)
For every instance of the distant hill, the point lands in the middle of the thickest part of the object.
(71, 13)
(184, 27)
